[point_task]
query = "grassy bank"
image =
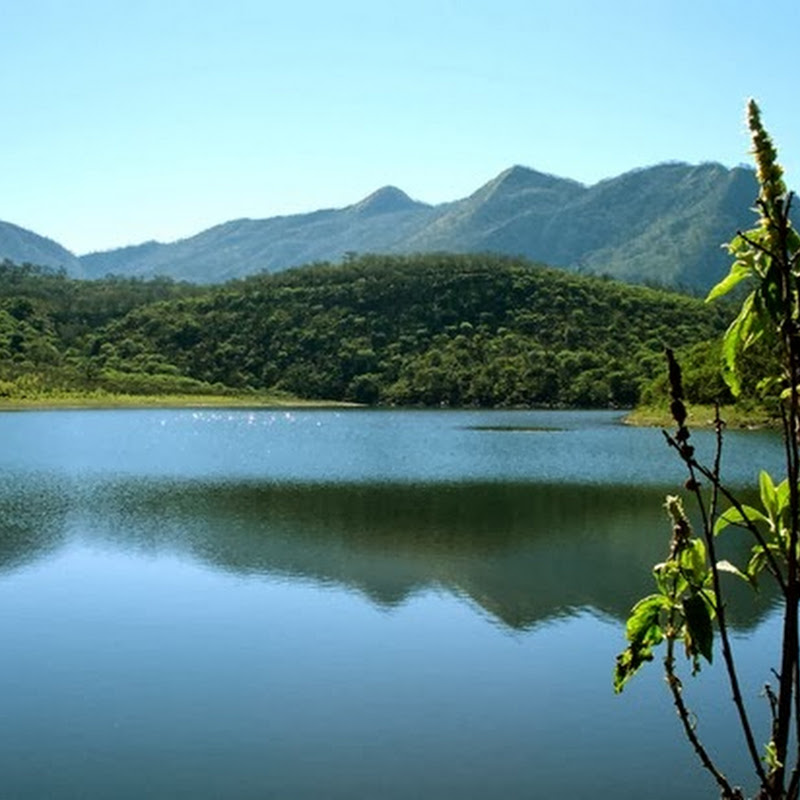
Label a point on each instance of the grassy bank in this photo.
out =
(702, 416)
(113, 400)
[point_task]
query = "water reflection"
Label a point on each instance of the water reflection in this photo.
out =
(523, 553)
(34, 514)
(185, 613)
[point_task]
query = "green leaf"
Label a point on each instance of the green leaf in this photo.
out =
(699, 627)
(735, 340)
(732, 569)
(756, 564)
(771, 756)
(782, 491)
(644, 617)
(769, 385)
(758, 560)
(693, 562)
(710, 598)
(734, 517)
(628, 663)
(769, 495)
(739, 271)
(669, 579)
(643, 631)
(740, 248)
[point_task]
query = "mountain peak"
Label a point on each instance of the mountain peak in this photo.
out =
(520, 184)
(519, 177)
(385, 200)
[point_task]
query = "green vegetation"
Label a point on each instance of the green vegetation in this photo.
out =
(457, 330)
(745, 413)
(102, 399)
(45, 321)
(688, 610)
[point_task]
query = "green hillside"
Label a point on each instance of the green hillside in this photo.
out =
(428, 330)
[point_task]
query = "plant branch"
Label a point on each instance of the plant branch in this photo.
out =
(676, 688)
(756, 245)
(789, 655)
(722, 624)
(731, 498)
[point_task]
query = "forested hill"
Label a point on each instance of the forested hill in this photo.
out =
(661, 225)
(421, 330)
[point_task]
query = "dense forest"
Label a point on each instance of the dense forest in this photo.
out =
(432, 329)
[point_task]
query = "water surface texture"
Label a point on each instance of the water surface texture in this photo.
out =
(340, 604)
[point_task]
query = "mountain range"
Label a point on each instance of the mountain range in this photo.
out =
(662, 225)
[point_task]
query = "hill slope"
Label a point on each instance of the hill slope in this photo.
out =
(380, 222)
(437, 329)
(421, 330)
(23, 246)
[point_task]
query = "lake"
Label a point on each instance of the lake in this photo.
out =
(345, 604)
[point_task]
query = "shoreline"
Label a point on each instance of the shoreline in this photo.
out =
(122, 401)
(702, 416)
(699, 416)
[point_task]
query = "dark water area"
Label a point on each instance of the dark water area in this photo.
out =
(344, 604)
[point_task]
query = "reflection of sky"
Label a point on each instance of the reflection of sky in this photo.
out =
(133, 677)
(355, 445)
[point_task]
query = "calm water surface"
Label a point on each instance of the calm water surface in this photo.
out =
(342, 604)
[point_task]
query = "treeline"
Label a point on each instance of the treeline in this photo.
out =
(442, 329)
(47, 318)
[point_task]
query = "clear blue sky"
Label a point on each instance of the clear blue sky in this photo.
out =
(128, 121)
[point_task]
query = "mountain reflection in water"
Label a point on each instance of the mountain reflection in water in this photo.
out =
(524, 553)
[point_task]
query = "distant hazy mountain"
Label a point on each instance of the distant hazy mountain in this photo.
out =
(22, 246)
(662, 224)
(382, 222)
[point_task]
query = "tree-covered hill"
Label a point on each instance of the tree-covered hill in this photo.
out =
(47, 317)
(430, 330)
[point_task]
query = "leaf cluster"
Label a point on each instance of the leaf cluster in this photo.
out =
(682, 609)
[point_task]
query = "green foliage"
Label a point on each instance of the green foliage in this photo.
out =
(644, 630)
(425, 330)
(754, 261)
(47, 328)
(681, 611)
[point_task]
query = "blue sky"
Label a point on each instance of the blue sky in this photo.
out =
(129, 121)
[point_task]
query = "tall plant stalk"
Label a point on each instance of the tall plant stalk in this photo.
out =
(689, 605)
